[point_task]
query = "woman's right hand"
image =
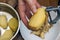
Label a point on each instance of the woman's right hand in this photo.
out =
(24, 8)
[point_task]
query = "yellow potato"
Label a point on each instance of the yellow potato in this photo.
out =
(13, 24)
(39, 23)
(3, 21)
(36, 32)
(7, 35)
(38, 19)
(42, 35)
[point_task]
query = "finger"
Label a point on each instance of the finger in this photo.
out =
(23, 18)
(21, 9)
(31, 5)
(28, 12)
(21, 5)
(38, 5)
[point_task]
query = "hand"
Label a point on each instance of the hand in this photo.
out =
(24, 8)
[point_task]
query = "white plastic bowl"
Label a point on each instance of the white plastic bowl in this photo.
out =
(51, 35)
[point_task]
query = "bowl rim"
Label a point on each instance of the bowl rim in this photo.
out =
(17, 17)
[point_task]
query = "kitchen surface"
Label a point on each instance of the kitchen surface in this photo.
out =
(18, 37)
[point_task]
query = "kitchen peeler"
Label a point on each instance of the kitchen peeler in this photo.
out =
(57, 9)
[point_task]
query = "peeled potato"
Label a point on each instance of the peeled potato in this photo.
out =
(3, 21)
(42, 35)
(13, 24)
(38, 19)
(7, 35)
(36, 32)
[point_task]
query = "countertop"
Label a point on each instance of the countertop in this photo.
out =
(18, 37)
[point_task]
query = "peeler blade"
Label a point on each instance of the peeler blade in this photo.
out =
(49, 9)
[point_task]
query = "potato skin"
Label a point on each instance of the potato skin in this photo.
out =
(13, 24)
(7, 35)
(3, 21)
(38, 19)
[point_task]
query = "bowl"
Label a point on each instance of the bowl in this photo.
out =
(10, 11)
(51, 35)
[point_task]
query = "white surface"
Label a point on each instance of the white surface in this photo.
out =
(51, 35)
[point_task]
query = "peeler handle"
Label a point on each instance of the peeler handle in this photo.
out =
(48, 9)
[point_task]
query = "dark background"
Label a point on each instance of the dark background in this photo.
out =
(18, 37)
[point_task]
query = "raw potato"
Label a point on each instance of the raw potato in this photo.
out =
(37, 20)
(44, 28)
(36, 32)
(13, 24)
(3, 21)
(42, 35)
(7, 35)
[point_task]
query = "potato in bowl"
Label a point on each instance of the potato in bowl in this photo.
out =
(10, 18)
